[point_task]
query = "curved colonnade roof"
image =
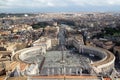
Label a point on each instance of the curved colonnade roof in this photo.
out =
(22, 54)
(108, 59)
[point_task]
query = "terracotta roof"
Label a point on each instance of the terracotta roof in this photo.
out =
(23, 66)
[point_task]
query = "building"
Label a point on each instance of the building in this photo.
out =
(43, 42)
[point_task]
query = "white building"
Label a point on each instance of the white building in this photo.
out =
(43, 42)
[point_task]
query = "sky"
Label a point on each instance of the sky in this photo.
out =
(26, 6)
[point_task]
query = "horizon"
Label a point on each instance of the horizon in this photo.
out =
(49, 6)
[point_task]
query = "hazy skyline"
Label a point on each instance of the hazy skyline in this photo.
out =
(21, 6)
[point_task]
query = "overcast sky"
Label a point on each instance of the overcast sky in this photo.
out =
(59, 5)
